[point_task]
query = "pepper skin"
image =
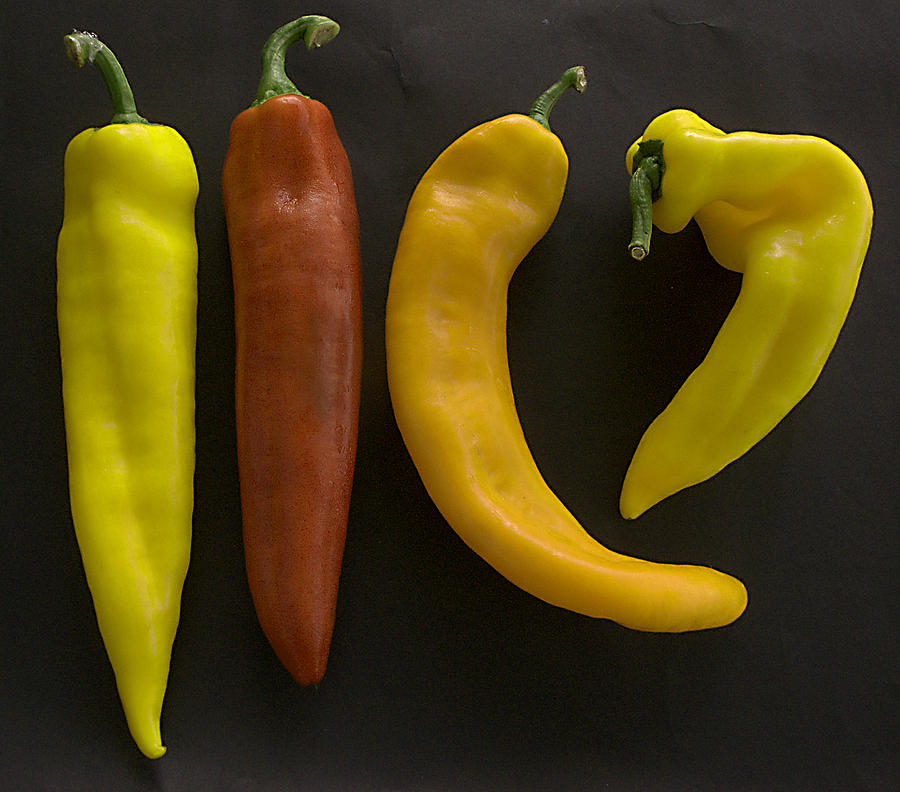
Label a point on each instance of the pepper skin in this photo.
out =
(794, 215)
(127, 299)
(475, 214)
(293, 232)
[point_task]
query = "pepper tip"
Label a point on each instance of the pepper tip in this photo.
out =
(638, 252)
(153, 750)
(580, 82)
(81, 46)
(320, 31)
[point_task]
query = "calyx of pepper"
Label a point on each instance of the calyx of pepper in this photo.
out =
(648, 167)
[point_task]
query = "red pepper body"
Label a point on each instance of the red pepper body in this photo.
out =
(293, 233)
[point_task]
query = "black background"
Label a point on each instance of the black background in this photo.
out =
(443, 676)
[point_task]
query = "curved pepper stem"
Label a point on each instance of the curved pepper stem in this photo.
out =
(572, 78)
(313, 29)
(645, 188)
(83, 47)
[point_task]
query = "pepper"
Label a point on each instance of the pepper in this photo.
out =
(293, 233)
(127, 300)
(793, 214)
(475, 214)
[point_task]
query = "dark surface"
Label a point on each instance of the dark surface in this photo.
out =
(443, 676)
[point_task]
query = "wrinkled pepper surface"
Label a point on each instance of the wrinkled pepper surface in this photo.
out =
(793, 214)
(127, 297)
(475, 214)
(293, 233)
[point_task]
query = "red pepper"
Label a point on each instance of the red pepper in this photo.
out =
(293, 234)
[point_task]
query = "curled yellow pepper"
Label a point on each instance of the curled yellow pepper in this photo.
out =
(475, 214)
(126, 304)
(794, 215)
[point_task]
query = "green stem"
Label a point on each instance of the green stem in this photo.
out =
(314, 30)
(572, 78)
(87, 48)
(648, 168)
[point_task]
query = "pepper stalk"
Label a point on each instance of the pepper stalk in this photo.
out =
(83, 47)
(645, 188)
(314, 30)
(571, 78)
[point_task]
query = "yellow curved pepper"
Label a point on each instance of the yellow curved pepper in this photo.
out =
(127, 297)
(475, 214)
(794, 215)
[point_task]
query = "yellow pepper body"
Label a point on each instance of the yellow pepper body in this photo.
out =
(127, 296)
(475, 214)
(793, 214)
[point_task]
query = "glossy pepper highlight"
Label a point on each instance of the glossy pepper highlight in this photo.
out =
(475, 214)
(793, 214)
(293, 232)
(127, 298)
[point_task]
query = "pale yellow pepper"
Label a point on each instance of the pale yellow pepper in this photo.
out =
(475, 214)
(793, 214)
(127, 300)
